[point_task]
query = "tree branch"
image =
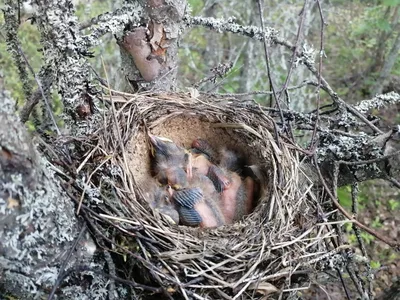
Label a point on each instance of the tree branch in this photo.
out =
(65, 50)
(13, 44)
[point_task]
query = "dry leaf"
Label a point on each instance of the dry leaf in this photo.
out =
(156, 39)
(264, 288)
(194, 93)
(12, 203)
(171, 290)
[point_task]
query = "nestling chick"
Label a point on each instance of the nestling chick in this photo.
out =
(231, 160)
(159, 200)
(237, 195)
(197, 204)
(199, 163)
(169, 160)
(225, 158)
(232, 193)
(203, 156)
(201, 146)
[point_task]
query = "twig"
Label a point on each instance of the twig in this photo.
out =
(369, 161)
(393, 181)
(267, 60)
(299, 39)
(356, 280)
(147, 264)
(391, 243)
(111, 270)
(231, 26)
(88, 182)
(219, 71)
(11, 26)
(313, 142)
(378, 102)
(62, 271)
(343, 283)
(14, 43)
(114, 115)
(354, 210)
(340, 102)
(46, 101)
(290, 88)
(132, 283)
(47, 80)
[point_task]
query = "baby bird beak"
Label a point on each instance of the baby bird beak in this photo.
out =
(169, 161)
(160, 145)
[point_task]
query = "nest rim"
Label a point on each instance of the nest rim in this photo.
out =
(260, 246)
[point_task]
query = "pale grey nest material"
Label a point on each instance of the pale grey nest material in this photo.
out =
(250, 258)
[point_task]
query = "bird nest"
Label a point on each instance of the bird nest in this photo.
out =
(271, 251)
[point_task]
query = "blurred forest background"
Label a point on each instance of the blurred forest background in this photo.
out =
(359, 41)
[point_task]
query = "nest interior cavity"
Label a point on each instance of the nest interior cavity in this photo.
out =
(183, 129)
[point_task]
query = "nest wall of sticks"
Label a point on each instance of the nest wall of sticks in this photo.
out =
(257, 254)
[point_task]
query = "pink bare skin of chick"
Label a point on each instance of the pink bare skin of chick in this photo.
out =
(236, 194)
(232, 161)
(229, 184)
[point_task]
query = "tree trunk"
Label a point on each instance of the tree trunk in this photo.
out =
(37, 220)
(387, 66)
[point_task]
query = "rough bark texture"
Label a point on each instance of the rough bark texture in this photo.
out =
(149, 53)
(356, 149)
(64, 50)
(65, 53)
(37, 219)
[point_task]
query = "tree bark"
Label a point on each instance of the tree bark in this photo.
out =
(387, 66)
(149, 52)
(37, 221)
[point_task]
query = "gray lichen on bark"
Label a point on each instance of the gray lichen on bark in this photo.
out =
(13, 44)
(361, 147)
(36, 217)
(115, 22)
(64, 50)
(229, 25)
(379, 101)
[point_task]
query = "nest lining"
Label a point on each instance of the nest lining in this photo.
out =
(267, 246)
